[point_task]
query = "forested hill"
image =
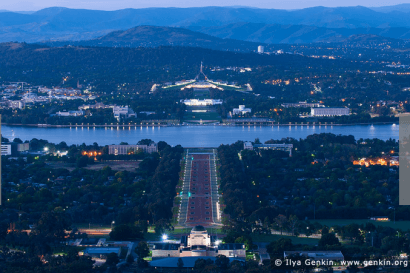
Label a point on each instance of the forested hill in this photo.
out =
(153, 36)
(48, 65)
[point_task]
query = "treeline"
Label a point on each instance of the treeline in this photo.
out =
(320, 180)
(163, 187)
(235, 185)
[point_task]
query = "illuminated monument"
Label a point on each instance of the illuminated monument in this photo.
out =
(198, 244)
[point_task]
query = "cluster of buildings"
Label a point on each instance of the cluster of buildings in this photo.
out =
(317, 109)
(97, 105)
(198, 244)
(384, 161)
(30, 97)
(13, 148)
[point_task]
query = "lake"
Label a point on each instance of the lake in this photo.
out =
(194, 136)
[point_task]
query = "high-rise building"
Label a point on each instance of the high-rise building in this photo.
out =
(261, 49)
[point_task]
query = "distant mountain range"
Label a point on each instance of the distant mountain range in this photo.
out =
(242, 23)
(276, 34)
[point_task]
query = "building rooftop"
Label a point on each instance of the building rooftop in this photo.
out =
(231, 246)
(189, 262)
(166, 246)
(198, 228)
(101, 250)
(331, 255)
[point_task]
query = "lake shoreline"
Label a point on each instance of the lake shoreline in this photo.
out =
(191, 124)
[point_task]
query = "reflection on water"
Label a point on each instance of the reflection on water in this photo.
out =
(195, 136)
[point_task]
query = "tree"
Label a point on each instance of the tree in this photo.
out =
(17, 140)
(125, 232)
(180, 263)
(82, 162)
(245, 239)
(130, 259)
(142, 249)
(293, 223)
(112, 259)
(145, 142)
(3, 230)
(281, 222)
(277, 248)
(142, 263)
(53, 226)
(328, 239)
(222, 262)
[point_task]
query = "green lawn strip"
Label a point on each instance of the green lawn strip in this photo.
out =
(273, 237)
(403, 225)
(92, 226)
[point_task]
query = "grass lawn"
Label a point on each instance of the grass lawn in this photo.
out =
(273, 237)
(404, 225)
(123, 165)
(203, 116)
(92, 226)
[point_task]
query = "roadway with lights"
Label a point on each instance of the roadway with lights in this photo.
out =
(200, 198)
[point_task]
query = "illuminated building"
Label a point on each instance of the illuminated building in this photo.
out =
(198, 244)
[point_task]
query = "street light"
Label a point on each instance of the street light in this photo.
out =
(112, 223)
(164, 237)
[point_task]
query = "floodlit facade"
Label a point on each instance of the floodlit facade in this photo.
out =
(261, 49)
(205, 102)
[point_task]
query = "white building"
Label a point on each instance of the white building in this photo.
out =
(199, 237)
(205, 102)
(16, 104)
(261, 49)
(70, 114)
(123, 112)
(329, 112)
(241, 110)
(131, 149)
(5, 149)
